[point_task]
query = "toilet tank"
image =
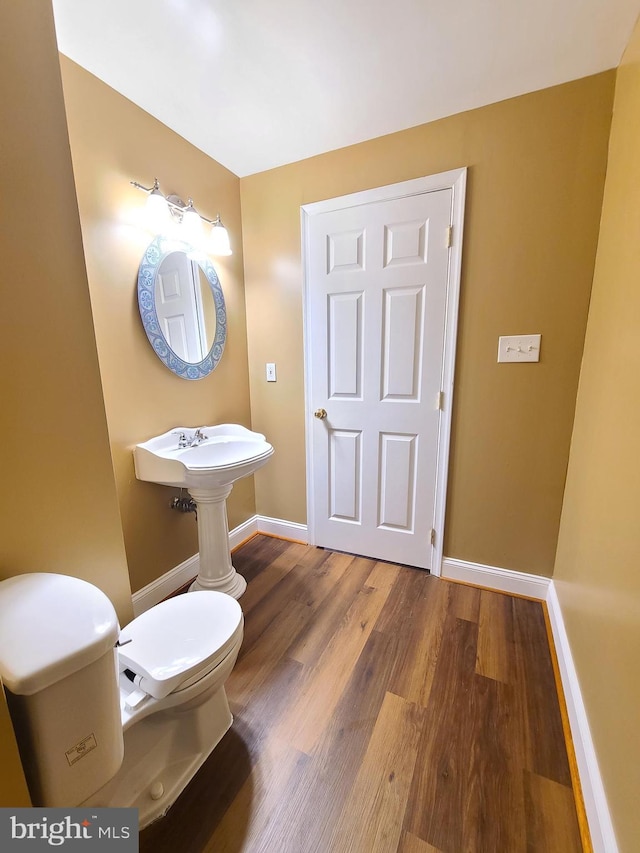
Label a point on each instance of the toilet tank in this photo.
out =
(59, 668)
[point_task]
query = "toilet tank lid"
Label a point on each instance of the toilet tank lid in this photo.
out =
(50, 627)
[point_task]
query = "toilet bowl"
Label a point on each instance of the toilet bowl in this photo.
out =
(105, 717)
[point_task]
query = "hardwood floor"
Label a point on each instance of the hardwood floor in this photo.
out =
(378, 709)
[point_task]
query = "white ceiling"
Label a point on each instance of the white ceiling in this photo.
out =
(259, 83)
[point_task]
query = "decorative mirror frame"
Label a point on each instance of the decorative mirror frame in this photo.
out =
(155, 253)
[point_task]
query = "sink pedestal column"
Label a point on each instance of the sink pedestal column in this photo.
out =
(216, 569)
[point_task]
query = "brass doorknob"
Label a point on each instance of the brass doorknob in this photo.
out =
(320, 413)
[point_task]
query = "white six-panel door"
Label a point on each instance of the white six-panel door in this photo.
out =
(378, 301)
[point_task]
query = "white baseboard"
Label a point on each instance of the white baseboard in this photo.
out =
(279, 527)
(595, 801)
(163, 586)
(501, 580)
(243, 532)
(177, 577)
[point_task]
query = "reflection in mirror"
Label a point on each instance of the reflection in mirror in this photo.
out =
(185, 306)
(182, 307)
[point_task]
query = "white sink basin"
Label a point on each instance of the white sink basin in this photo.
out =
(227, 453)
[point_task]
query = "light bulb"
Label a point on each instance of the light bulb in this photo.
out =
(157, 211)
(191, 225)
(219, 239)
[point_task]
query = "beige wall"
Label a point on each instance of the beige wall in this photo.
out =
(112, 142)
(537, 166)
(597, 572)
(13, 785)
(58, 503)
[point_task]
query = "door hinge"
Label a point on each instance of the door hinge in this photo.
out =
(449, 236)
(432, 536)
(440, 403)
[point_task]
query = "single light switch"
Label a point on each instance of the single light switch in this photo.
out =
(519, 348)
(271, 371)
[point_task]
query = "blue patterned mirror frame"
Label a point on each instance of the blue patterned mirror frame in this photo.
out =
(156, 251)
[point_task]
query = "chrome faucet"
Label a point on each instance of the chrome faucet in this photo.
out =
(186, 440)
(197, 437)
(183, 441)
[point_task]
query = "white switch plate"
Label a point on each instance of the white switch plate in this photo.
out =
(519, 348)
(271, 371)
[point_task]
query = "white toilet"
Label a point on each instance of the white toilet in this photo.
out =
(105, 717)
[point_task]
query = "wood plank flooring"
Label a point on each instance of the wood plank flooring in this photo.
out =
(378, 709)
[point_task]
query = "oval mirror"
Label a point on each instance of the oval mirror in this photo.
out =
(182, 307)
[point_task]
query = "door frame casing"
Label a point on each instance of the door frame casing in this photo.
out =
(454, 180)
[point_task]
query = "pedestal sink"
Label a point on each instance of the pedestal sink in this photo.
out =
(212, 460)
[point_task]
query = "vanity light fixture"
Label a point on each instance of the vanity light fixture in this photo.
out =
(162, 208)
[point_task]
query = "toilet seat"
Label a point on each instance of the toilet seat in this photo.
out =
(177, 642)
